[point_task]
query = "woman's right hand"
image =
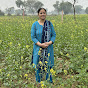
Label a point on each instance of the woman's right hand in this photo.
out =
(43, 45)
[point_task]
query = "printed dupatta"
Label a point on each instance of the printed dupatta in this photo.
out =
(43, 52)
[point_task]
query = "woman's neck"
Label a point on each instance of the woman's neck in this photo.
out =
(41, 21)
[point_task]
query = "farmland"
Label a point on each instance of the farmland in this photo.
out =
(70, 52)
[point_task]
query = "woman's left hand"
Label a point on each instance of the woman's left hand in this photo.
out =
(48, 43)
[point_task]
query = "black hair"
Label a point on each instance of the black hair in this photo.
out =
(40, 9)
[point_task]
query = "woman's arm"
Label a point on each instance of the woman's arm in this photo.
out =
(53, 34)
(33, 33)
(48, 43)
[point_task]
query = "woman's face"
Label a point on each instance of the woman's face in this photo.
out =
(42, 14)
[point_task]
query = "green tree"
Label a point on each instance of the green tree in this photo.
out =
(74, 8)
(9, 11)
(18, 12)
(56, 6)
(86, 10)
(30, 5)
(1, 13)
(66, 7)
(21, 4)
(78, 8)
(38, 5)
(33, 5)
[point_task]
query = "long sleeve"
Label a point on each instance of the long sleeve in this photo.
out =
(53, 34)
(33, 33)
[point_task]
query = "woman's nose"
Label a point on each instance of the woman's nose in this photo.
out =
(43, 14)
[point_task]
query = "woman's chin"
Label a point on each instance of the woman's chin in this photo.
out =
(43, 18)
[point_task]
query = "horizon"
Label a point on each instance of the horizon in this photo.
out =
(49, 5)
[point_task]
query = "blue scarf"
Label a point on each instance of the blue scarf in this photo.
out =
(45, 38)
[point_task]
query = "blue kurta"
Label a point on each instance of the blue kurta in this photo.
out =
(36, 35)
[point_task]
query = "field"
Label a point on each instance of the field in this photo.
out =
(70, 52)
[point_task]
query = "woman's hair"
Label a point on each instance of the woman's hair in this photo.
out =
(40, 9)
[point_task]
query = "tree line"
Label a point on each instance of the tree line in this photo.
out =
(31, 7)
(67, 7)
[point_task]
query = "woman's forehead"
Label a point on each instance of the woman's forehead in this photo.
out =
(42, 10)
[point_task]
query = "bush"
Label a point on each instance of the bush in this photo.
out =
(9, 14)
(86, 10)
(1, 13)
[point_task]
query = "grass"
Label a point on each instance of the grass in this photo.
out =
(70, 52)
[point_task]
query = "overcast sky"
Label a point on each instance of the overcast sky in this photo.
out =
(47, 3)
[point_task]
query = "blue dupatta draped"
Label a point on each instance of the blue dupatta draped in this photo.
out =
(44, 51)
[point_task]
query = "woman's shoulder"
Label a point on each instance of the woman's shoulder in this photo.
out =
(49, 21)
(35, 23)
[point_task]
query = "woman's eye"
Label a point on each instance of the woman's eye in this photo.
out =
(40, 13)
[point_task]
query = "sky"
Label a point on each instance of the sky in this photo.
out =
(47, 3)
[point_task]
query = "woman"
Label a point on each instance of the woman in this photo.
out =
(43, 36)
